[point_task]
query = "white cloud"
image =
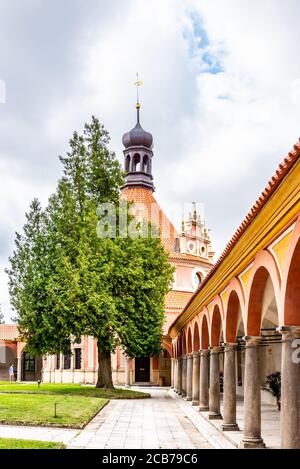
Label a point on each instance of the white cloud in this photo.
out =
(220, 95)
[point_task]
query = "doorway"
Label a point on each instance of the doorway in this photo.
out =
(142, 369)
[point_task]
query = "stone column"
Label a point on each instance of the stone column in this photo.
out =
(127, 372)
(179, 376)
(184, 373)
(176, 375)
(229, 389)
(172, 372)
(252, 405)
(290, 387)
(189, 377)
(214, 385)
(19, 368)
(204, 394)
(196, 378)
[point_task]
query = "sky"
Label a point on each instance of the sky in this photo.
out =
(221, 97)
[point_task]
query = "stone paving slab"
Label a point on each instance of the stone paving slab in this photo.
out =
(215, 437)
(270, 424)
(158, 422)
(63, 435)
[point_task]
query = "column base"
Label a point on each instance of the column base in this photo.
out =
(179, 393)
(188, 398)
(229, 427)
(248, 443)
(183, 396)
(127, 386)
(214, 416)
(203, 408)
(195, 402)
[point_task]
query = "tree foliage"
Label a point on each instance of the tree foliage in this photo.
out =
(65, 281)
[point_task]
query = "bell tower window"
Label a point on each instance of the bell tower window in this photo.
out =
(146, 164)
(127, 164)
(137, 162)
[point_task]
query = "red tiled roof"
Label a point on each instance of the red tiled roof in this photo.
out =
(282, 171)
(8, 332)
(140, 195)
(177, 299)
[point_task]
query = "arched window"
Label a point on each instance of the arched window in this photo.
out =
(197, 278)
(145, 168)
(137, 162)
(127, 164)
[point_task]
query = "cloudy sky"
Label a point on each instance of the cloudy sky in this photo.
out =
(221, 96)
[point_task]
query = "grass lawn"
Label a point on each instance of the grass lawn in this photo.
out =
(38, 409)
(12, 443)
(71, 389)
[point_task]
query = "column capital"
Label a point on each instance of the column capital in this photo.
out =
(229, 346)
(252, 340)
(289, 332)
(196, 354)
(184, 357)
(215, 349)
(204, 353)
(189, 356)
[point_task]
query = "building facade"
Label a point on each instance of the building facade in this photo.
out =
(13, 352)
(243, 324)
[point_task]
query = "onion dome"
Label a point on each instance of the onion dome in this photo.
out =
(137, 137)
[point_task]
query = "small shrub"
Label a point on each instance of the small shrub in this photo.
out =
(273, 386)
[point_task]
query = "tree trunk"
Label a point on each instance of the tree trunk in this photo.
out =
(104, 369)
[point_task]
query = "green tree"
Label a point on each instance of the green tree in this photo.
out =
(66, 281)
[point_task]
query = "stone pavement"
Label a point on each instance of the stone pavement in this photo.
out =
(159, 422)
(63, 435)
(270, 424)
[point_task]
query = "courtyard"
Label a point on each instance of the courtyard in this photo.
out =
(137, 421)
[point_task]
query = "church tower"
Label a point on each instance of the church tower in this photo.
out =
(189, 250)
(138, 156)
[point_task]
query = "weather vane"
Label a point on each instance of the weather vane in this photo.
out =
(137, 83)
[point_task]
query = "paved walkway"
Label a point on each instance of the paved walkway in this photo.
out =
(164, 421)
(159, 422)
(64, 435)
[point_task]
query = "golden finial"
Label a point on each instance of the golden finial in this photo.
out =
(137, 83)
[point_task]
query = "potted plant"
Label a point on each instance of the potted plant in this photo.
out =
(273, 386)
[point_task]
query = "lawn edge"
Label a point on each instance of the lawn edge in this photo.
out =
(17, 423)
(49, 393)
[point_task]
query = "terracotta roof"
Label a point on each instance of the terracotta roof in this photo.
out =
(274, 182)
(141, 195)
(177, 299)
(8, 332)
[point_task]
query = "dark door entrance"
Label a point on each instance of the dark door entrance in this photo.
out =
(142, 369)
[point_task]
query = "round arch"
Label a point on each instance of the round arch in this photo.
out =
(204, 333)
(292, 290)
(290, 285)
(196, 338)
(183, 344)
(232, 317)
(189, 341)
(216, 326)
(264, 268)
